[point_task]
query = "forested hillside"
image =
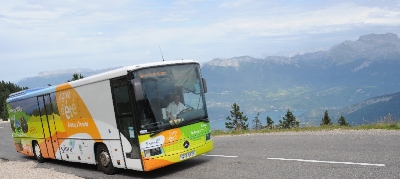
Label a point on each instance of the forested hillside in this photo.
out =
(373, 110)
(6, 88)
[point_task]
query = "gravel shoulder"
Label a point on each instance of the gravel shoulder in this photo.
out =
(29, 169)
(16, 169)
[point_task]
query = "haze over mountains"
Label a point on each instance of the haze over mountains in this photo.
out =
(58, 77)
(347, 74)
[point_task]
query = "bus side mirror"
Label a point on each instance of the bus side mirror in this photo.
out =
(204, 85)
(138, 89)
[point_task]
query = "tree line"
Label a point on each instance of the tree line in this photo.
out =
(6, 88)
(238, 121)
(326, 120)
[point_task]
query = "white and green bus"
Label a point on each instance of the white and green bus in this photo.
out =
(123, 118)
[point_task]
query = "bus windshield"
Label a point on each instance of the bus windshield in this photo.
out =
(173, 96)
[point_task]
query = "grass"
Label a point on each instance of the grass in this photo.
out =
(391, 125)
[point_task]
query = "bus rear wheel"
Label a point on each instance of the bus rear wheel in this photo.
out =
(104, 162)
(37, 153)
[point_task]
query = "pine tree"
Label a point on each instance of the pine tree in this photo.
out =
(270, 122)
(257, 122)
(289, 121)
(238, 119)
(3, 107)
(76, 76)
(5, 90)
(326, 120)
(342, 121)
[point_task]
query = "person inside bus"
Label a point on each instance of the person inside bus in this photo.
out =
(167, 99)
(175, 107)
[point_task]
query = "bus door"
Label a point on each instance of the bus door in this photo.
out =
(48, 123)
(124, 116)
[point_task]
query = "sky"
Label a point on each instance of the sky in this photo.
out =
(37, 36)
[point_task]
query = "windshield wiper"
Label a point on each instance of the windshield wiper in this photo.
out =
(204, 120)
(144, 126)
(194, 92)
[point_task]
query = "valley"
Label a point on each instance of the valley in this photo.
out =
(347, 74)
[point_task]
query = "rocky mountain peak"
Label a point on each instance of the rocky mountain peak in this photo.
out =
(281, 60)
(379, 38)
(371, 47)
(230, 62)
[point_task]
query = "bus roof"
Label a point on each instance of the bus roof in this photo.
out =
(23, 92)
(92, 79)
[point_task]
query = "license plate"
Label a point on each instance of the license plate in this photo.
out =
(188, 155)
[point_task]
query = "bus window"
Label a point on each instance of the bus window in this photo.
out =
(159, 85)
(122, 100)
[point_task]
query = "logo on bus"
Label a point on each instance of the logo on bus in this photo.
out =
(173, 135)
(69, 147)
(153, 142)
(68, 110)
(78, 124)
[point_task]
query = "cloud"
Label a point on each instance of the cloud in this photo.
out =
(336, 18)
(196, 29)
(235, 4)
(197, 26)
(174, 19)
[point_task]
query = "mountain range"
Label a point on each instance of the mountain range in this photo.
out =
(343, 76)
(57, 77)
(346, 74)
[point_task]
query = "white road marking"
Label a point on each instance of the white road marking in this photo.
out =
(219, 156)
(319, 161)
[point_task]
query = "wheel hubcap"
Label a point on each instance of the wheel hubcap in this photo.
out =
(37, 150)
(104, 158)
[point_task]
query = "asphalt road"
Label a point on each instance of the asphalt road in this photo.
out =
(328, 154)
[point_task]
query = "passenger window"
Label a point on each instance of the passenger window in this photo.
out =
(122, 101)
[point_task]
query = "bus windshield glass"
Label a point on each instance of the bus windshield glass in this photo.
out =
(173, 97)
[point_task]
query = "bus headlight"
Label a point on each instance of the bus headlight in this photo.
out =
(208, 136)
(152, 152)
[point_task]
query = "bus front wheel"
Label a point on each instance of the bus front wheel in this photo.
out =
(37, 153)
(103, 158)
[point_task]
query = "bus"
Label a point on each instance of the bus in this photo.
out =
(117, 119)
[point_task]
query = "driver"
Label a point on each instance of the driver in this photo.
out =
(175, 107)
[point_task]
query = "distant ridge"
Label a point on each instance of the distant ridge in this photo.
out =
(372, 110)
(58, 77)
(67, 71)
(368, 47)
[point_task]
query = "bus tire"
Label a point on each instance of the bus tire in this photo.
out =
(37, 153)
(103, 158)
